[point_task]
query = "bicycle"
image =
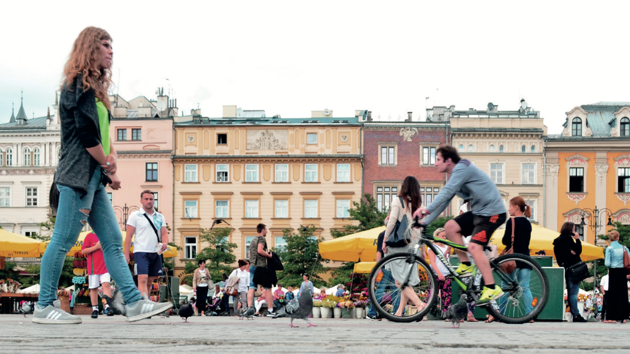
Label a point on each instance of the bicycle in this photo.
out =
(517, 305)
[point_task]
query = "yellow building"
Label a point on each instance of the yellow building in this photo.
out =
(248, 169)
(588, 167)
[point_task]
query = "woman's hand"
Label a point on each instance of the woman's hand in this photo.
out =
(441, 276)
(110, 164)
(115, 182)
(384, 248)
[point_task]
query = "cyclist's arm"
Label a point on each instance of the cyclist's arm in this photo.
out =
(455, 182)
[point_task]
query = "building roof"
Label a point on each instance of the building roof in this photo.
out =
(34, 123)
(601, 117)
(12, 119)
(269, 121)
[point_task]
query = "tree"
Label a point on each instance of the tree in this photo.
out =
(219, 253)
(624, 239)
(301, 256)
(438, 223)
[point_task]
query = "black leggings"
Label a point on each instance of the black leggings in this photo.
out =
(202, 297)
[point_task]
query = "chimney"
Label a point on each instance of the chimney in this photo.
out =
(369, 118)
(409, 116)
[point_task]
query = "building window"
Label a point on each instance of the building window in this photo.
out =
(532, 205)
(529, 173)
(190, 208)
(491, 148)
(428, 194)
(311, 138)
(310, 173)
(190, 173)
(155, 200)
(282, 208)
(470, 148)
(251, 173)
(221, 139)
(110, 197)
(152, 171)
(384, 197)
(533, 148)
(121, 134)
(388, 155)
(500, 148)
(248, 241)
(577, 127)
(136, 134)
(223, 173)
(343, 208)
(280, 243)
(343, 172)
(27, 157)
(36, 157)
(190, 247)
(1, 158)
(251, 208)
(9, 157)
(461, 148)
(576, 179)
(623, 180)
(282, 173)
(5, 197)
(31, 196)
(496, 173)
(310, 208)
(523, 149)
(221, 208)
(624, 127)
(428, 156)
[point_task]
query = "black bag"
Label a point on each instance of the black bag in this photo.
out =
(399, 236)
(578, 272)
(274, 263)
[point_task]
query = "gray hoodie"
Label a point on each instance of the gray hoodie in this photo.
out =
(468, 182)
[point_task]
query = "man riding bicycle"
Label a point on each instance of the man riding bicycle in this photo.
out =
(487, 213)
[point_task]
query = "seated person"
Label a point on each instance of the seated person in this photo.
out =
(278, 297)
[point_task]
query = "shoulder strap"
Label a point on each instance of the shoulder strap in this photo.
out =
(513, 228)
(158, 235)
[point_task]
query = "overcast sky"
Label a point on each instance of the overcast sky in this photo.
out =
(292, 57)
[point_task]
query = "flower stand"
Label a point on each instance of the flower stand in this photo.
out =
(326, 312)
(346, 313)
(317, 312)
(359, 312)
(337, 312)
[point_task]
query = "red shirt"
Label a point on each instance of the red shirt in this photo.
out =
(95, 261)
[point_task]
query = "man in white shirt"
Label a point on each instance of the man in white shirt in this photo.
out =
(146, 224)
(603, 285)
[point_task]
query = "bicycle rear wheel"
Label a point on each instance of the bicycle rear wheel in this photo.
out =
(526, 289)
(385, 295)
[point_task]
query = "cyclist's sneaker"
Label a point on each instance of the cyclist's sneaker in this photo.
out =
(95, 314)
(488, 295)
(54, 315)
(143, 309)
(464, 270)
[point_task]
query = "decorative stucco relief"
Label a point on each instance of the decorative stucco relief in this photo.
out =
(267, 140)
(408, 133)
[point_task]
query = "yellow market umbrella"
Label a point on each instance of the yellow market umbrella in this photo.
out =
(170, 251)
(542, 239)
(14, 245)
(364, 267)
(351, 248)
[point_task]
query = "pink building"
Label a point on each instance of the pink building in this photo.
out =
(142, 133)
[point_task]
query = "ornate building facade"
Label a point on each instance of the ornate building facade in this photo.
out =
(588, 168)
(247, 169)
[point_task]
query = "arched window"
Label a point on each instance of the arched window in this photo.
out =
(577, 127)
(461, 147)
(36, 157)
(500, 148)
(9, 157)
(1, 158)
(470, 148)
(27, 157)
(624, 127)
(491, 148)
(523, 149)
(533, 148)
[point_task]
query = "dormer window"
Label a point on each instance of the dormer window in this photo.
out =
(576, 126)
(624, 127)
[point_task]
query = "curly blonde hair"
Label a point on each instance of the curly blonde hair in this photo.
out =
(84, 59)
(438, 231)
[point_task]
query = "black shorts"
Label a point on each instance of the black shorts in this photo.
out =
(480, 227)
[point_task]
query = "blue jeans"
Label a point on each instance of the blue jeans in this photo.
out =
(572, 292)
(380, 290)
(70, 221)
(523, 276)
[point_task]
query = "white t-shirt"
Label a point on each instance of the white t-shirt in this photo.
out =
(604, 282)
(438, 262)
(243, 279)
(202, 274)
(145, 239)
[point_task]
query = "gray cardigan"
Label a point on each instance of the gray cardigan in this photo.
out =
(79, 131)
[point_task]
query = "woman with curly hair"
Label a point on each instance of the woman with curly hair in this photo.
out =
(87, 164)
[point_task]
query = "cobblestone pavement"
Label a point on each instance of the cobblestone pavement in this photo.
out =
(266, 335)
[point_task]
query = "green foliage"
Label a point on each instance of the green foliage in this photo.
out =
(624, 239)
(301, 256)
(218, 254)
(437, 223)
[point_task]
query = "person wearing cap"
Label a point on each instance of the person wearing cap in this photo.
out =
(306, 283)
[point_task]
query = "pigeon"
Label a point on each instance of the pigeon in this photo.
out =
(26, 308)
(186, 311)
(116, 302)
(298, 308)
(247, 313)
(457, 312)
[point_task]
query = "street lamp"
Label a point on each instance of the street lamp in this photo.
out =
(124, 211)
(595, 225)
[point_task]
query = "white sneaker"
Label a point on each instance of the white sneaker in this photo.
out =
(53, 314)
(144, 309)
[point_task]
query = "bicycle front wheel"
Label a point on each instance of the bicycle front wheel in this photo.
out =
(525, 290)
(385, 291)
